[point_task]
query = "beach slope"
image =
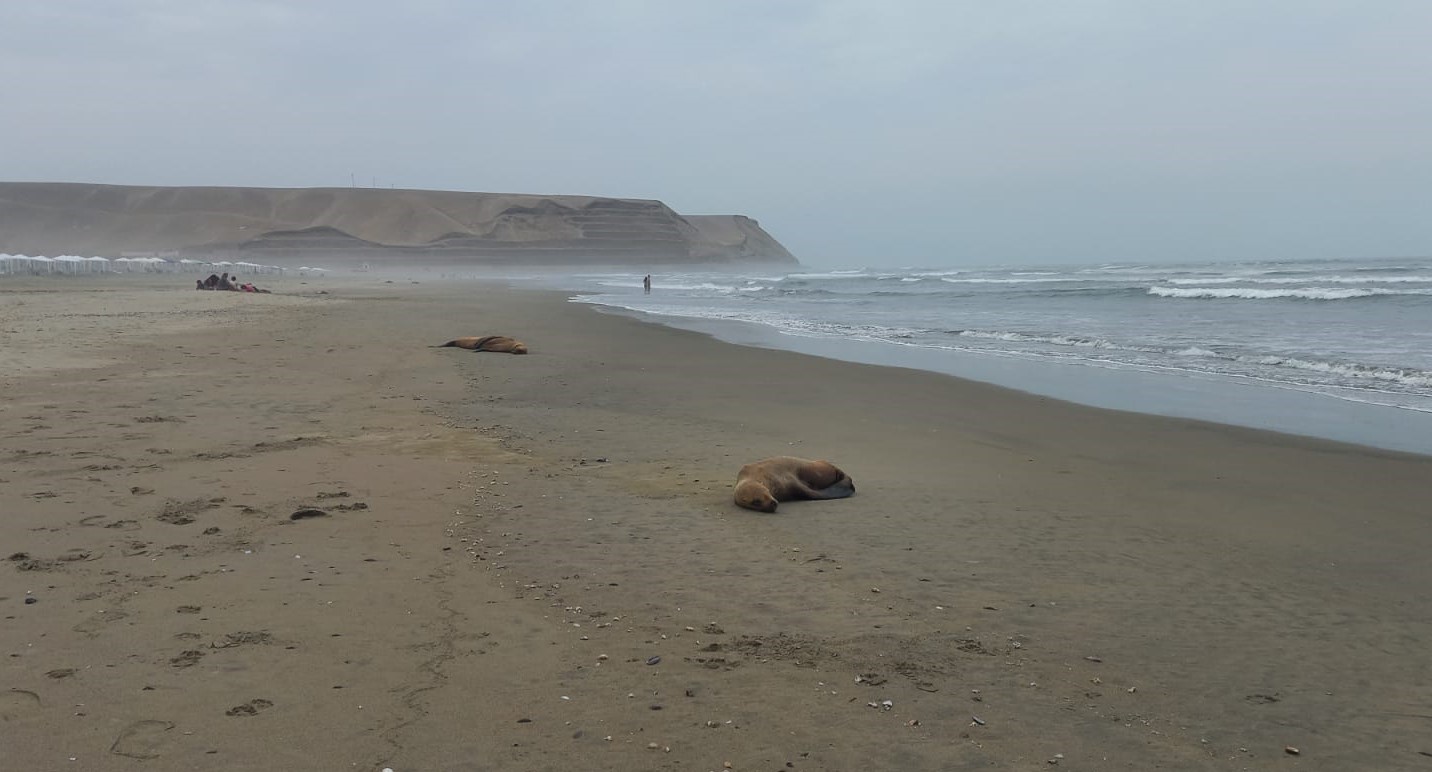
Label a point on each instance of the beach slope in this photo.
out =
(281, 531)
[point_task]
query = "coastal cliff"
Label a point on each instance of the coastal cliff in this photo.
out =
(369, 225)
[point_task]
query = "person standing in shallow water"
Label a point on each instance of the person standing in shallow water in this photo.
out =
(646, 284)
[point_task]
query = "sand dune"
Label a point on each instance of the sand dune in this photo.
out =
(365, 224)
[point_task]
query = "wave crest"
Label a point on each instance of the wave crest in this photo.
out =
(1303, 293)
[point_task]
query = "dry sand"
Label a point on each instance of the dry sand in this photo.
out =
(510, 542)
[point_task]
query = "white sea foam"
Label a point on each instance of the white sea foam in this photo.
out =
(855, 274)
(1398, 375)
(1333, 279)
(986, 280)
(704, 286)
(1056, 340)
(1303, 293)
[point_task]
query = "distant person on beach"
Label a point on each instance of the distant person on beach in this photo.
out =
(199, 284)
(212, 282)
(646, 284)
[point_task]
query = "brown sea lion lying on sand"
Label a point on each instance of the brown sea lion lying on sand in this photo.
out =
(761, 485)
(499, 343)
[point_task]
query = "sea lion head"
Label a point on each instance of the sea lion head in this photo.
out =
(519, 348)
(753, 495)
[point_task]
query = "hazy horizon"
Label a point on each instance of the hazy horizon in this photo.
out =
(908, 133)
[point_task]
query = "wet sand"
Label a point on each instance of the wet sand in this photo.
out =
(508, 544)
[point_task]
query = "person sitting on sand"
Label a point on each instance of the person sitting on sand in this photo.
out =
(199, 284)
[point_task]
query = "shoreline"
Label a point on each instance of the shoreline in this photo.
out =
(1118, 589)
(1253, 405)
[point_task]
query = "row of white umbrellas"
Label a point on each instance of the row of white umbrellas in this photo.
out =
(74, 264)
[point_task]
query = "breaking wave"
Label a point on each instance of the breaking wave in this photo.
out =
(1304, 280)
(1304, 293)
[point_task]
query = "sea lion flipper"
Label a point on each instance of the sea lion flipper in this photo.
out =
(841, 490)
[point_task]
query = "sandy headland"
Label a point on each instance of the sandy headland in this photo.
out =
(377, 227)
(282, 532)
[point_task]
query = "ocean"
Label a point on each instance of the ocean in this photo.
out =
(1335, 349)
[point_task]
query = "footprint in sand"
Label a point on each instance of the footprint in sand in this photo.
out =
(18, 703)
(244, 638)
(23, 562)
(183, 512)
(142, 739)
(250, 708)
(100, 620)
(187, 658)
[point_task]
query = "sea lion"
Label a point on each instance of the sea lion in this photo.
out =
(760, 486)
(499, 343)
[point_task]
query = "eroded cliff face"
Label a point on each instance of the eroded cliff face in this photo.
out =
(367, 225)
(734, 237)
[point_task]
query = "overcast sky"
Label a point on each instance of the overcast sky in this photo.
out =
(883, 132)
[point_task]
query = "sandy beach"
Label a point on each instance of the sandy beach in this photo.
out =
(259, 532)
